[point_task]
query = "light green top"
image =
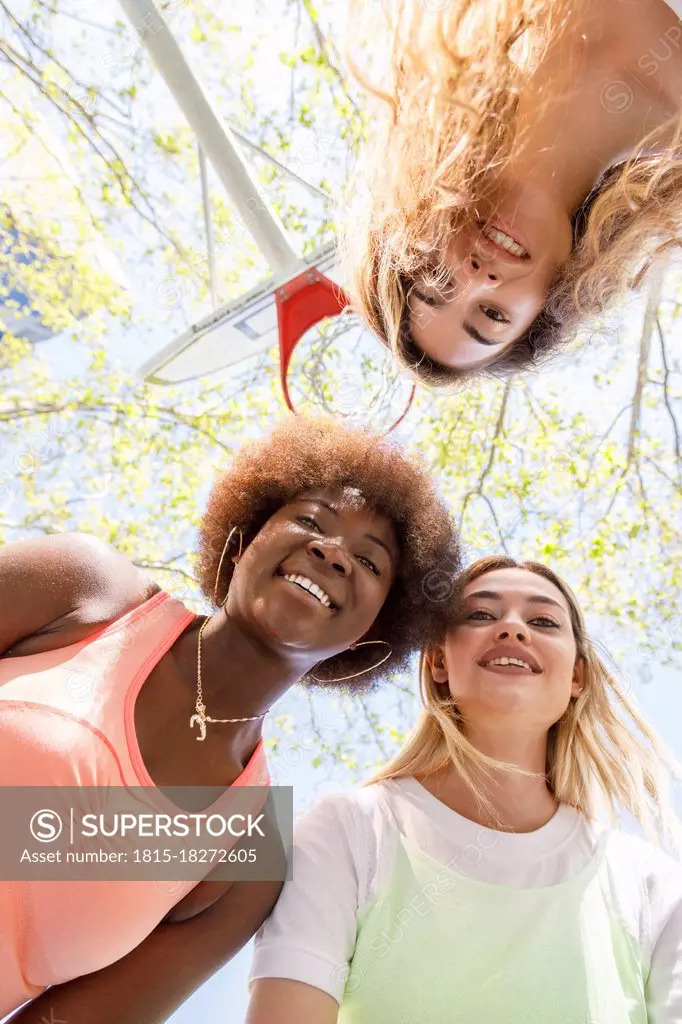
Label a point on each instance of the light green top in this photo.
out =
(437, 947)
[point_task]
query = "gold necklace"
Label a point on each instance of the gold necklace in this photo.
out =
(201, 717)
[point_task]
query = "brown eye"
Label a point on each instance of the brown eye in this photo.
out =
(545, 621)
(494, 314)
(309, 519)
(429, 300)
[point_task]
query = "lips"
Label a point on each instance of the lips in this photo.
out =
(323, 585)
(490, 229)
(510, 651)
(511, 230)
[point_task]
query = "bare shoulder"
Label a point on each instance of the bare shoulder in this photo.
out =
(113, 582)
(102, 565)
(60, 587)
(99, 571)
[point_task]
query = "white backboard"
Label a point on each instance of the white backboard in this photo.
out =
(236, 331)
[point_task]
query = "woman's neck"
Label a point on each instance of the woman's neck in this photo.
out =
(241, 676)
(600, 89)
(519, 803)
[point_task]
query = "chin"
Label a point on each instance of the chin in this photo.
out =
(281, 628)
(512, 700)
(511, 705)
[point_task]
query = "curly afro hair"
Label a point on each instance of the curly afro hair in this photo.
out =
(303, 453)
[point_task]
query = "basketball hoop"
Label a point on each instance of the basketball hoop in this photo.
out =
(302, 303)
(304, 296)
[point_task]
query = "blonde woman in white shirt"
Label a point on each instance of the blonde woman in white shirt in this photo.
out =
(477, 878)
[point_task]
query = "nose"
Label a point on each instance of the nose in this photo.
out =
(490, 269)
(513, 630)
(483, 269)
(332, 553)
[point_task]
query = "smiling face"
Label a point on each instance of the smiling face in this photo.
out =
(511, 652)
(317, 574)
(500, 271)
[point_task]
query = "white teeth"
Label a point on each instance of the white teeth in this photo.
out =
(502, 239)
(311, 587)
(510, 661)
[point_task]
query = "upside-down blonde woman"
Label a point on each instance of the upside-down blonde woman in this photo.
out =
(524, 171)
(477, 877)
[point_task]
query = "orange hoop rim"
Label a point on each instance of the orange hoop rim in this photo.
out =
(301, 303)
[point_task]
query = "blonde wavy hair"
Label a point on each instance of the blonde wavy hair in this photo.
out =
(445, 123)
(601, 753)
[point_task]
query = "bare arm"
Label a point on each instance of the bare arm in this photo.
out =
(152, 981)
(302, 953)
(42, 580)
(280, 1001)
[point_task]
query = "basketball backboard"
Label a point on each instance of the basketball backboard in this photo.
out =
(236, 331)
(300, 295)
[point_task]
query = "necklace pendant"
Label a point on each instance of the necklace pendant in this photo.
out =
(202, 727)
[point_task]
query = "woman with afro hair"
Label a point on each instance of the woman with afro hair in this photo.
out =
(525, 173)
(325, 551)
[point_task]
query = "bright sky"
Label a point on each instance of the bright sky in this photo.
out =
(224, 998)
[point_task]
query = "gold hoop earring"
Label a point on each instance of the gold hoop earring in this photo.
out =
(220, 565)
(364, 643)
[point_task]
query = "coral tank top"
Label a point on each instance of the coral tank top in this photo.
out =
(67, 719)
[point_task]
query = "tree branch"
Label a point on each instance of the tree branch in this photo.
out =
(373, 729)
(161, 413)
(666, 395)
(144, 563)
(650, 319)
(114, 163)
(325, 50)
(478, 490)
(75, 17)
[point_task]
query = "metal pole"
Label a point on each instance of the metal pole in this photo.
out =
(212, 134)
(208, 225)
(314, 190)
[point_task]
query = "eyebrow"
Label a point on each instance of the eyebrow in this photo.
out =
(477, 336)
(492, 595)
(335, 511)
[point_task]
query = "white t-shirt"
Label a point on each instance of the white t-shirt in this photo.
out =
(675, 5)
(342, 854)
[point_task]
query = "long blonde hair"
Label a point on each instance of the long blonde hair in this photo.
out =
(445, 123)
(596, 756)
